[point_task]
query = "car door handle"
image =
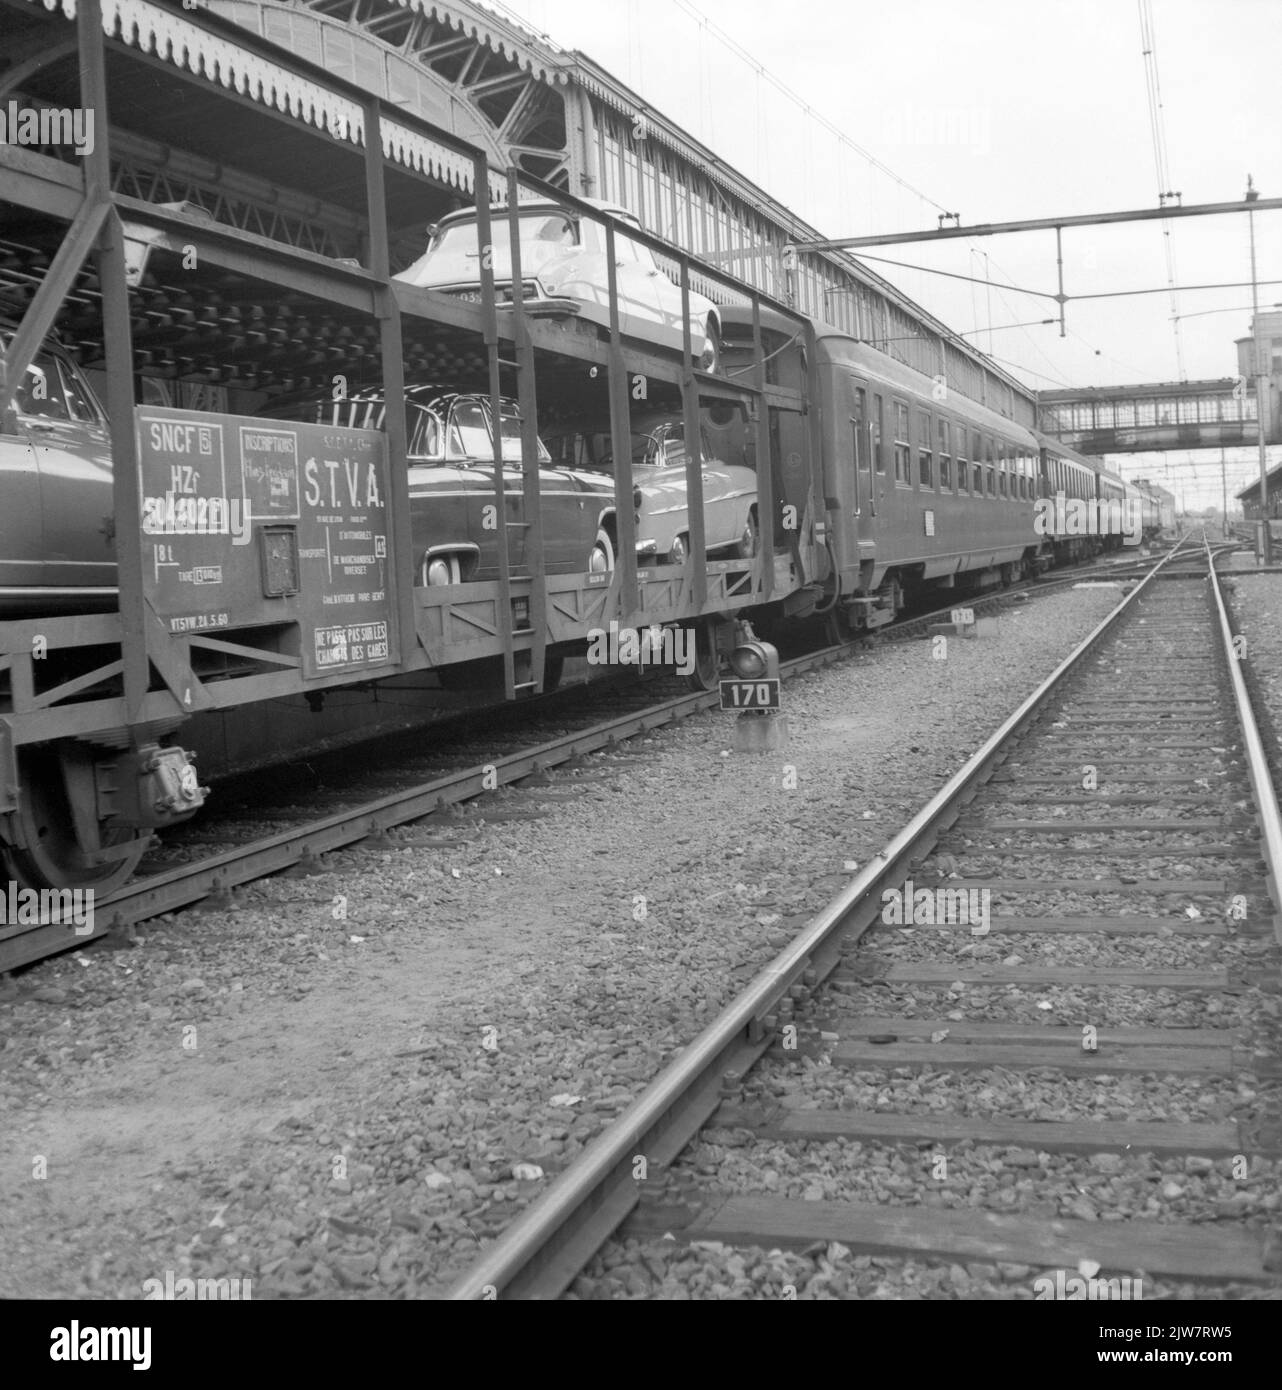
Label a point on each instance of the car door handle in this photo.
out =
(44, 426)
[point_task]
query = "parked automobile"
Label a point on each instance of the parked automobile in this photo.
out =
(56, 528)
(731, 523)
(564, 270)
(451, 482)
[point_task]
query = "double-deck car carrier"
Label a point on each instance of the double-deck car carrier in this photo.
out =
(228, 234)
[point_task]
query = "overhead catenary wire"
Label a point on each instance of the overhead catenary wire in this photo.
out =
(1153, 91)
(763, 71)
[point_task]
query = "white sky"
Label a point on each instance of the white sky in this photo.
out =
(997, 110)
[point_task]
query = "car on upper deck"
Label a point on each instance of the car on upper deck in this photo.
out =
(565, 270)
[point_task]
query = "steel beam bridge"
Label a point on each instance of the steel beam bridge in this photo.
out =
(1153, 416)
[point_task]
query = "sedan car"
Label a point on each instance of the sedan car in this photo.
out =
(564, 270)
(451, 483)
(56, 508)
(731, 524)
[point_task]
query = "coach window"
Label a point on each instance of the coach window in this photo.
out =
(878, 420)
(945, 454)
(925, 460)
(961, 458)
(903, 449)
(990, 488)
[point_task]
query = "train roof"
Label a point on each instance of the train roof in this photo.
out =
(772, 321)
(878, 366)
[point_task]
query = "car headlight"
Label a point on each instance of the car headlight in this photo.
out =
(439, 571)
(637, 499)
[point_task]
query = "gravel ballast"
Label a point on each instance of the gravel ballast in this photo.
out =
(344, 1087)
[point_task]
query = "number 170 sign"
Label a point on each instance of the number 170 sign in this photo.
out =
(750, 695)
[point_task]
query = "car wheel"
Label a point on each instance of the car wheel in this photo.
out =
(749, 539)
(710, 361)
(601, 560)
(707, 660)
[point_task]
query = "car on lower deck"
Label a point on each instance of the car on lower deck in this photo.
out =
(731, 522)
(450, 454)
(57, 551)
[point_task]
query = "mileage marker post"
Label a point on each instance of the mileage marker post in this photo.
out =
(754, 693)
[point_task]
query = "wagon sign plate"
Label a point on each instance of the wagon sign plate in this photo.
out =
(745, 695)
(247, 522)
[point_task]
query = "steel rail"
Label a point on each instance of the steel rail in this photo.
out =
(1267, 814)
(539, 1254)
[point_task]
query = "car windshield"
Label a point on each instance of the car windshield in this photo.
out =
(53, 390)
(470, 435)
(543, 235)
(595, 450)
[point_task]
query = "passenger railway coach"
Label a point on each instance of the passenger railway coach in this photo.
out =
(914, 486)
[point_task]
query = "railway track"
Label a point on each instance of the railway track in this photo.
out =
(1074, 1077)
(388, 800)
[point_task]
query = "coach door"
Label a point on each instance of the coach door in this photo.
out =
(865, 450)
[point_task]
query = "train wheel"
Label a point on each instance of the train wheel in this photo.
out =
(52, 857)
(707, 663)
